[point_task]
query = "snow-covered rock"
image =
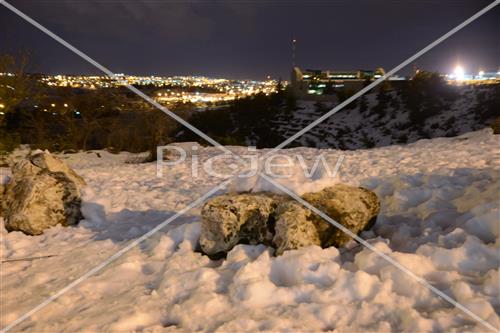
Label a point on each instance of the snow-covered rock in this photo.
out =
(272, 219)
(50, 163)
(43, 192)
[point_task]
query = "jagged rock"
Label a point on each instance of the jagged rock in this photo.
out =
(355, 208)
(46, 161)
(284, 223)
(24, 168)
(43, 192)
(231, 219)
(294, 228)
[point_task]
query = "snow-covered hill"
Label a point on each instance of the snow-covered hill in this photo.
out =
(439, 218)
(371, 123)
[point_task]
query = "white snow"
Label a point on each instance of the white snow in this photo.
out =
(439, 218)
(354, 128)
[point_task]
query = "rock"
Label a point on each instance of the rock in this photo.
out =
(232, 219)
(356, 208)
(42, 193)
(24, 168)
(284, 223)
(294, 227)
(47, 161)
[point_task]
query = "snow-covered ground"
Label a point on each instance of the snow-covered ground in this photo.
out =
(365, 128)
(439, 218)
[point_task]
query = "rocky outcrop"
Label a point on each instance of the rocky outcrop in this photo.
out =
(284, 223)
(42, 193)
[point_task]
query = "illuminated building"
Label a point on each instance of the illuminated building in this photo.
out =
(324, 84)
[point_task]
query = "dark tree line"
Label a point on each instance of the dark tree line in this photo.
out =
(61, 119)
(247, 121)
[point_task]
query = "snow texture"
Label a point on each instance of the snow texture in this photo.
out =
(356, 128)
(439, 218)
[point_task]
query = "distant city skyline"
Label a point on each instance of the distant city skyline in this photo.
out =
(250, 40)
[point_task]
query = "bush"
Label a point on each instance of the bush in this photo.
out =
(425, 96)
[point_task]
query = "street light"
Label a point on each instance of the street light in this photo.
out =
(459, 73)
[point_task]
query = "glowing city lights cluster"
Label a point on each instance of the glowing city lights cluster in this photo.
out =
(220, 89)
(460, 76)
(176, 89)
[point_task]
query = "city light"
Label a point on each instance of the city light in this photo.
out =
(94, 82)
(459, 73)
(2, 106)
(482, 77)
(172, 89)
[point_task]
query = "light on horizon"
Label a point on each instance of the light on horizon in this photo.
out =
(459, 73)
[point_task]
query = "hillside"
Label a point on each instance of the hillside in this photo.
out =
(380, 120)
(419, 109)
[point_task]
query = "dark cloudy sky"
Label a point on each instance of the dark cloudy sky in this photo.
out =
(250, 39)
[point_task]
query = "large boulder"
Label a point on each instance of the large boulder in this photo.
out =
(232, 219)
(284, 223)
(42, 193)
(355, 208)
(53, 165)
(294, 227)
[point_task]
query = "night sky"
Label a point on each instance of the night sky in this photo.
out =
(250, 39)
